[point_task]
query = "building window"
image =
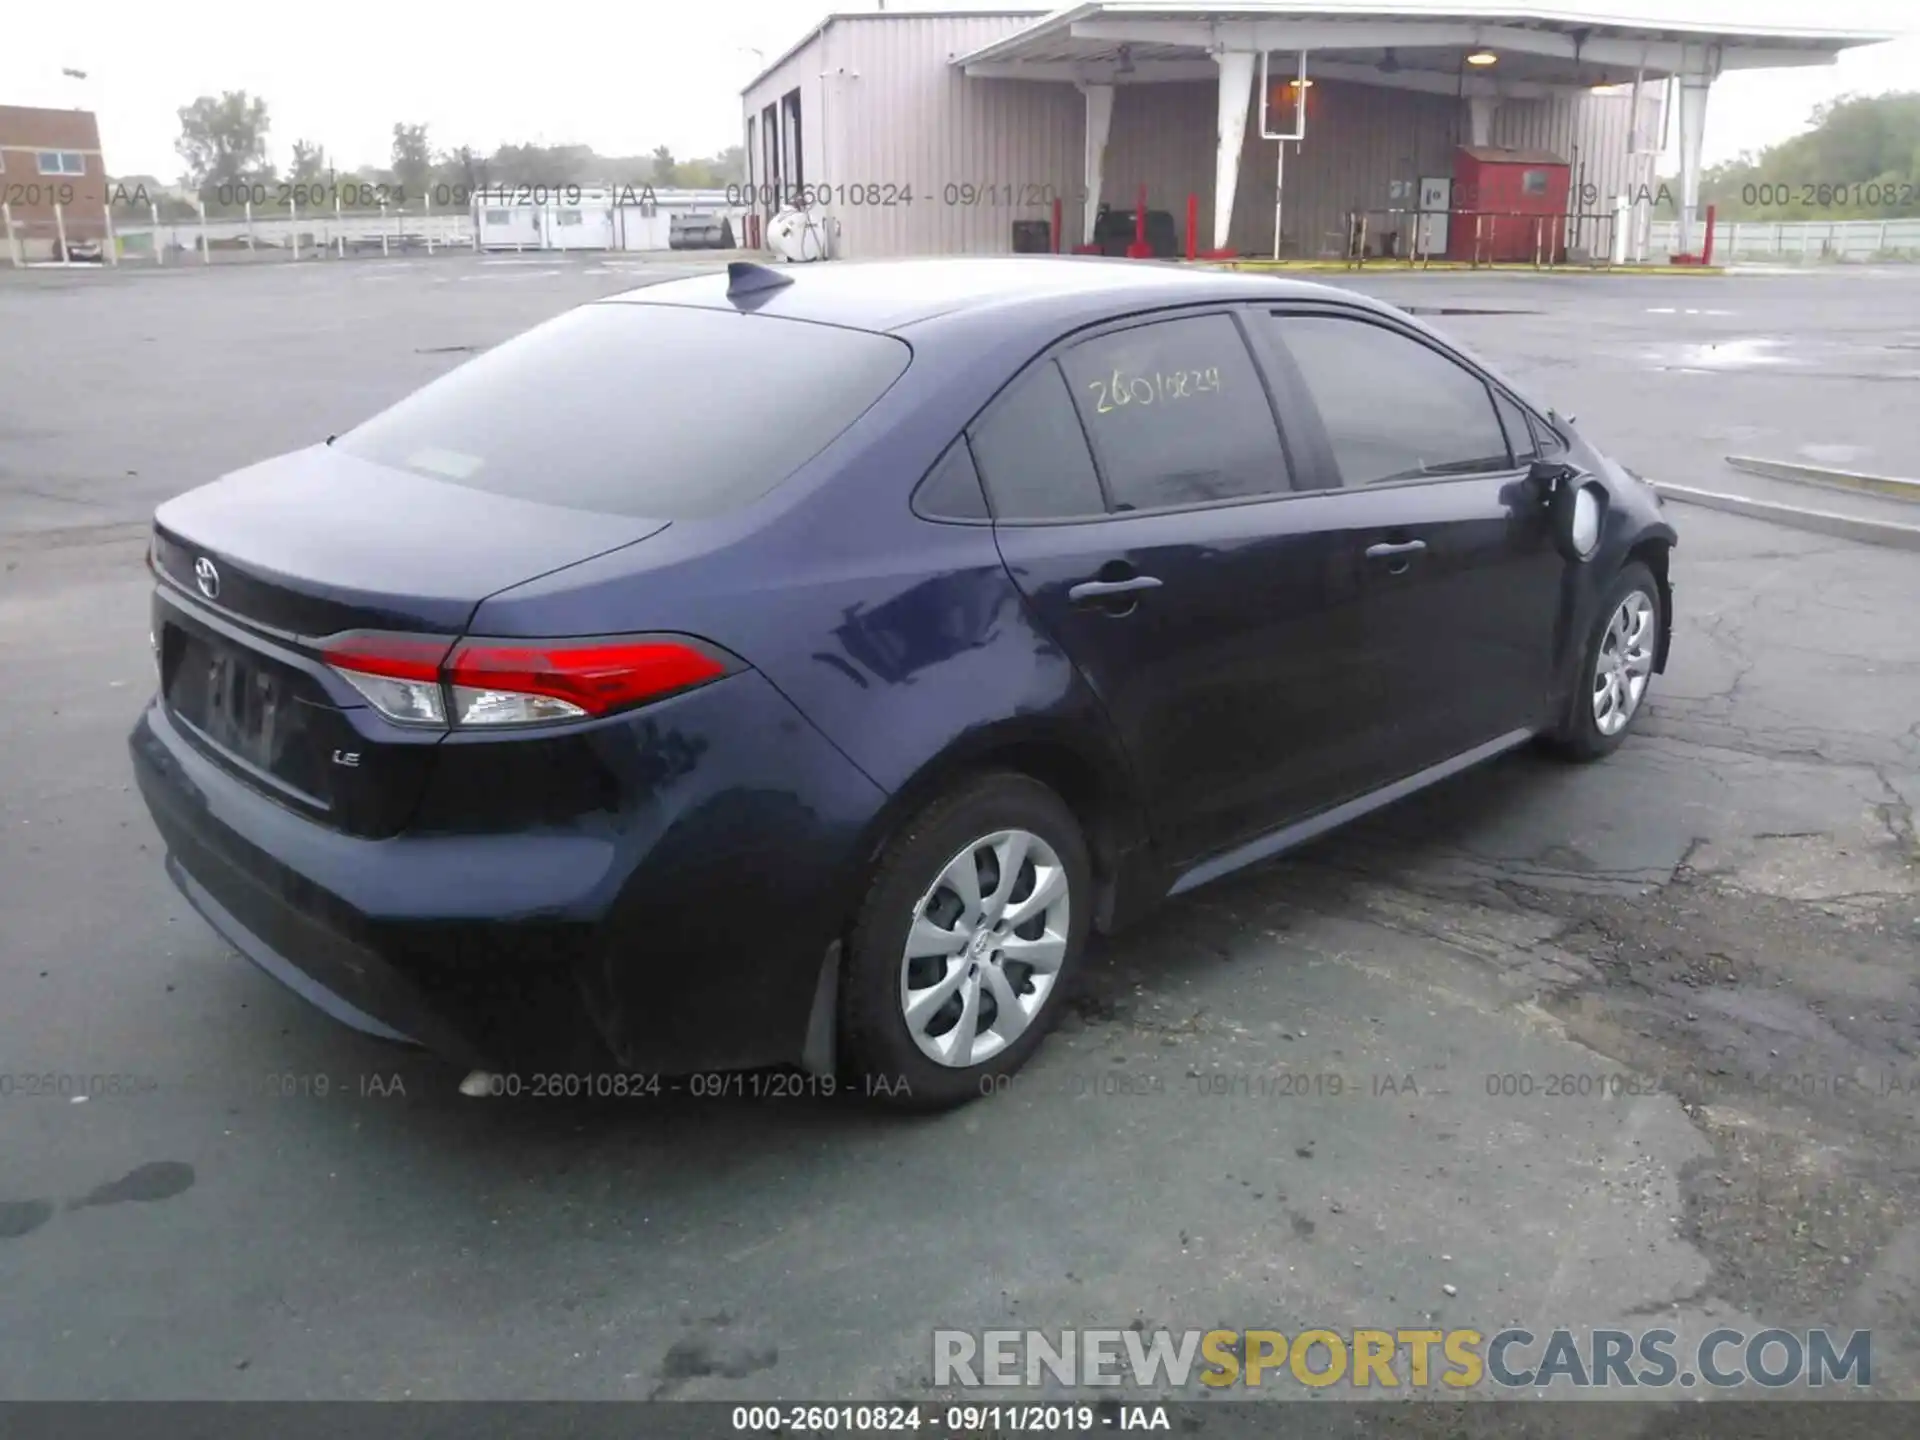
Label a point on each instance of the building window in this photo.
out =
(498, 217)
(772, 173)
(566, 217)
(61, 162)
(796, 166)
(1533, 182)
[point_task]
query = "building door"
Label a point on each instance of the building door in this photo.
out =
(1430, 236)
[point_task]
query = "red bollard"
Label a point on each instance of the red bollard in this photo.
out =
(1706, 247)
(1139, 249)
(1056, 224)
(1193, 226)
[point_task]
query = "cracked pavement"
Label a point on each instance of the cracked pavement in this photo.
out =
(1626, 1044)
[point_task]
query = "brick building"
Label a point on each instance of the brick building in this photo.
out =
(48, 159)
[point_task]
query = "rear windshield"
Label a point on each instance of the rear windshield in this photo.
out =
(636, 409)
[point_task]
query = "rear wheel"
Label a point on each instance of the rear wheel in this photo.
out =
(977, 913)
(1617, 668)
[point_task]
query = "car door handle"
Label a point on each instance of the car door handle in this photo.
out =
(1389, 552)
(1088, 591)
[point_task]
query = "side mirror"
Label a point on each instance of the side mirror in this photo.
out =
(1576, 507)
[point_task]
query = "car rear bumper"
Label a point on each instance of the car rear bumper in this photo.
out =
(679, 928)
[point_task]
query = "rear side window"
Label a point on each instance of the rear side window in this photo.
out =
(951, 490)
(1394, 409)
(1032, 455)
(1177, 414)
(634, 409)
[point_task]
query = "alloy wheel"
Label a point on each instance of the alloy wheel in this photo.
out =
(985, 948)
(1624, 665)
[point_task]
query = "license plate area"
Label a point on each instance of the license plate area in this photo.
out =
(241, 705)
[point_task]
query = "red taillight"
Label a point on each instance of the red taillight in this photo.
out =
(594, 678)
(399, 657)
(515, 682)
(399, 675)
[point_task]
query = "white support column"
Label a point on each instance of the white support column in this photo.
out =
(1480, 112)
(1236, 93)
(1099, 124)
(1693, 126)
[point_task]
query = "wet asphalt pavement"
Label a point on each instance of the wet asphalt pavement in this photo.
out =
(1611, 1045)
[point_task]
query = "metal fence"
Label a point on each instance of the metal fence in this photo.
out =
(1803, 240)
(507, 218)
(91, 235)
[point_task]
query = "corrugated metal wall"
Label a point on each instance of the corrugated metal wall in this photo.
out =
(1360, 139)
(801, 71)
(887, 113)
(1592, 133)
(914, 157)
(978, 154)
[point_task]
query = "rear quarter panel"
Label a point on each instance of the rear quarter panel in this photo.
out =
(902, 639)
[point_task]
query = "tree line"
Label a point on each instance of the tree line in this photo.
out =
(1858, 160)
(223, 146)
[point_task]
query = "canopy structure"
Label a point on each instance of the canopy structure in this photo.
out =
(1483, 54)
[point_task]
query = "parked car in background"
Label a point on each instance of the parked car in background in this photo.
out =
(795, 668)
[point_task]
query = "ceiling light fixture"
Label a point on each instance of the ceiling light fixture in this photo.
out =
(1483, 57)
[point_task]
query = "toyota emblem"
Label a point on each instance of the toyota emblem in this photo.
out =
(207, 576)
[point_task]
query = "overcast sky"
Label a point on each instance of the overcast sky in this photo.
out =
(621, 78)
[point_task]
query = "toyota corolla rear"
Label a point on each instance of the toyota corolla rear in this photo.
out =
(420, 802)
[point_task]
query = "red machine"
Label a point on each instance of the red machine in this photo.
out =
(1509, 206)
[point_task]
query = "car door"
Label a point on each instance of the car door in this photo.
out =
(1142, 503)
(1425, 463)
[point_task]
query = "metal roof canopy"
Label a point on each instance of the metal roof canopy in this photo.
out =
(1534, 49)
(1413, 44)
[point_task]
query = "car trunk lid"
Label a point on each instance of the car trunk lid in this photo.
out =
(258, 570)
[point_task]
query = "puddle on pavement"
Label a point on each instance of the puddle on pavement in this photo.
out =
(1460, 310)
(1742, 354)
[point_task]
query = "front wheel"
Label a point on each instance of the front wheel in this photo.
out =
(1616, 668)
(976, 916)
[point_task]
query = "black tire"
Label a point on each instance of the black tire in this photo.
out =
(1579, 737)
(877, 1050)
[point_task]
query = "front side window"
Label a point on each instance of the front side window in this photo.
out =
(1394, 409)
(1177, 414)
(61, 162)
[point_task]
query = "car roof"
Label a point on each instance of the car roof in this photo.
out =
(891, 296)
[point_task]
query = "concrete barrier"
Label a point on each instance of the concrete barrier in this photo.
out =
(1823, 522)
(1892, 486)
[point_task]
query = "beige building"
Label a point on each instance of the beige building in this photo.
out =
(918, 133)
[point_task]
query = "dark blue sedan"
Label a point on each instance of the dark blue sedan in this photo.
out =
(793, 669)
